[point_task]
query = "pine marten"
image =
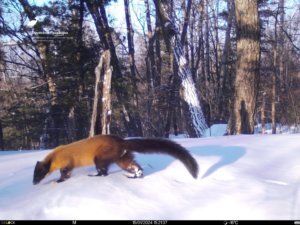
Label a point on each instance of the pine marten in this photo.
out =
(103, 150)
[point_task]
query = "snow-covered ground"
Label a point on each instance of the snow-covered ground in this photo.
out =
(241, 177)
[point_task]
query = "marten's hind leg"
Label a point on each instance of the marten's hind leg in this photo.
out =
(101, 166)
(127, 162)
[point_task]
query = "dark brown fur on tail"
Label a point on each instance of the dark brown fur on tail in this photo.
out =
(165, 146)
(103, 150)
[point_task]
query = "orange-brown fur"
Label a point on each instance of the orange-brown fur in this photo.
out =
(83, 153)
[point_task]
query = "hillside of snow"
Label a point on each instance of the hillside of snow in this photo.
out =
(241, 177)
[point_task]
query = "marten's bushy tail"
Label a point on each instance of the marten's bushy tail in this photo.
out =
(164, 146)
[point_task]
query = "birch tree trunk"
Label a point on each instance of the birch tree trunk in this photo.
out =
(247, 67)
(195, 120)
(101, 115)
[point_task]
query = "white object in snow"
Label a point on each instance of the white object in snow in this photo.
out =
(32, 23)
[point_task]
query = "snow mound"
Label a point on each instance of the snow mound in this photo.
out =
(241, 177)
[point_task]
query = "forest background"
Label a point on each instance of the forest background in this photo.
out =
(145, 68)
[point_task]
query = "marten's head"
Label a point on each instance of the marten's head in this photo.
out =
(40, 171)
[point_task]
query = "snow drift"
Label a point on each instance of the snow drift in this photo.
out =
(241, 177)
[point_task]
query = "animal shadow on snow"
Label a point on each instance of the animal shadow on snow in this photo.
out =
(227, 155)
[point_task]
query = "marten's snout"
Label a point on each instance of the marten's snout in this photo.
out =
(40, 171)
(35, 182)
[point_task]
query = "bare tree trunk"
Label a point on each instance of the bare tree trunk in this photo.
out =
(1, 136)
(150, 68)
(274, 77)
(101, 115)
(194, 117)
(224, 59)
(150, 55)
(132, 66)
(274, 81)
(186, 22)
(217, 46)
(294, 106)
(26, 134)
(281, 84)
(96, 126)
(281, 43)
(207, 49)
(263, 117)
(106, 98)
(200, 47)
(247, 67)
(130, 39)
(170, 100)
(192, 44)
(157, 78)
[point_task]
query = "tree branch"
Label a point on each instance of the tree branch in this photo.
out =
(290, 39)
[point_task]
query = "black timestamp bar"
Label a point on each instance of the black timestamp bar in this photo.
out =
(149, 222)
(8, 222)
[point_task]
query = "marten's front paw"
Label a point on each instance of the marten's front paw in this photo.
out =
(135, 174)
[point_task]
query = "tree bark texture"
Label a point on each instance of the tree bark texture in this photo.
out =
(1, 136)
(247, 67)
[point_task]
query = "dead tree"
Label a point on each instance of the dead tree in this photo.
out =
(101, 116)
(98, 12)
